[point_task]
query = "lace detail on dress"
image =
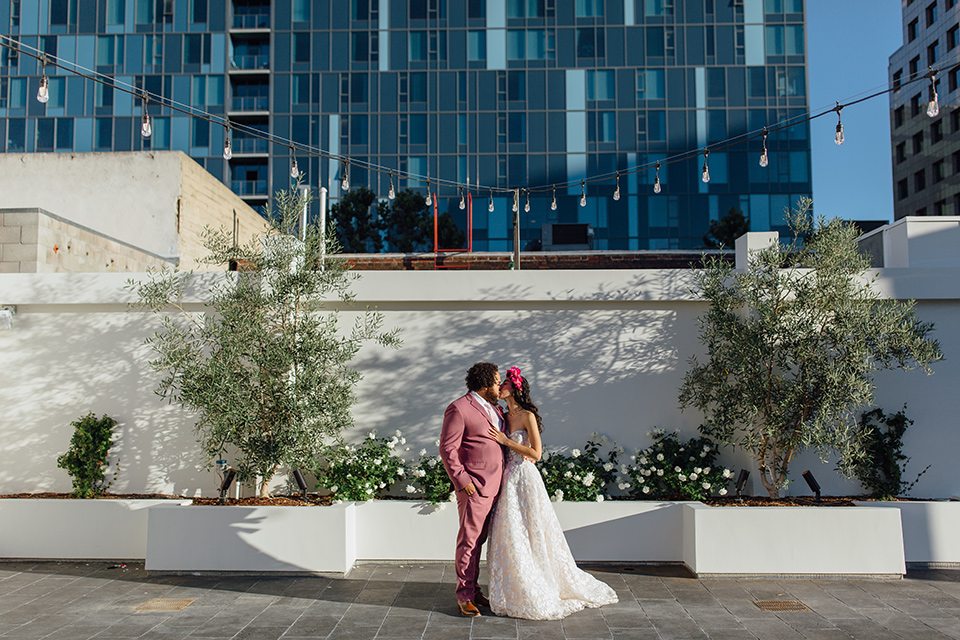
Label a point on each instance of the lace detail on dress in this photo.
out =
(532, 573)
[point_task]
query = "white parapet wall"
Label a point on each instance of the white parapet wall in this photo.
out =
(604, 351)
(931, 531)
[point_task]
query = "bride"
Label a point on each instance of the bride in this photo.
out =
(532, 573)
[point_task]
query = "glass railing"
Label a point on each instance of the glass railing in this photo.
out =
(252, 21)
(251, 62)
(250, 103)
(250, 145)
(249, 187)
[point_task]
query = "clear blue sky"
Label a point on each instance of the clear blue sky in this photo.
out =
(848, 45)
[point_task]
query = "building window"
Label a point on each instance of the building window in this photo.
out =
(63, 12)
(301, 10)
(600, 85)
(364, 48)
(603, 127)
(936, 132)
(654, 8)
(939, 171)
(196, 49)
(590, 43)
(201, 133)
(476, 45)
(530, 8)
(109, 50)
(912, 30)
(784, 40)
(476, 8)
(953, 79)
(517, 127)
(364, 10)
(931, 13)
(116, 11)
(955, 121)
(103, 95)
(530, 44)
(650, 84)
(916, 104)
(919, 180)
(897, 79)
(103, 134)
(918, 142)
(589, 8)
(940, 208)
(956, 162)
(952, 37)
(300, 88)
(901, 153)
(914, 65)
(757, 82)
(898, 117)
(950, 4)
(418, 45)
(902, 191)
(933, 53)
(301, 47)
(517, 86)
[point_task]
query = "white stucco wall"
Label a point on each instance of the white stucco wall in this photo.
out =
(605, 351)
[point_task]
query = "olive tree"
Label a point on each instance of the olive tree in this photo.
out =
(792, 343)
(265, 367)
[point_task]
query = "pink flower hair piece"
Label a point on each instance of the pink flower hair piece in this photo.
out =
(515, 378)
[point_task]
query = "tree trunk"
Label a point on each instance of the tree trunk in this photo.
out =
(265, 482)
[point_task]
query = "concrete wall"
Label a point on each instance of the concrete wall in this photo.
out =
(605, 351)
(916, 242)
(157, 202)
(37, 241)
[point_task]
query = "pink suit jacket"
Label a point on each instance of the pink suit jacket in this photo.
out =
(468, 453)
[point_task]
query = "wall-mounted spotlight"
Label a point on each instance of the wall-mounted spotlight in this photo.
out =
(227, 481)
(812, 483)
(741, 483)
(300, 483)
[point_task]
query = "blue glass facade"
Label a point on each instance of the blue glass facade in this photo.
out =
(507, 93)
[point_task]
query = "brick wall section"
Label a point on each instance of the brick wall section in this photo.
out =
(531, 261)
(207, 202)
(36, 241)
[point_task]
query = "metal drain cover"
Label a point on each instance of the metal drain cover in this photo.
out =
(781, 605)
(165, 604)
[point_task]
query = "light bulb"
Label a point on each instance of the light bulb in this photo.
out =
(616, 192)
(392, 193)
(656, 180)
(429, 200)
(43, 93)
(345, 182)
(583, 194)
(705, 172)
(463, 203)
(294, 170)
(839, 137)
(227, 148)
(146, 126)
(764, 160)
(553, 203)
(516, 203)
(490, 206)
(526, 205)
(933, 109)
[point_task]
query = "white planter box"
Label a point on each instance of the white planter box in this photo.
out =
(251, 539)
(799, 541)
(95, 529)
(614, 531)
(931, 531)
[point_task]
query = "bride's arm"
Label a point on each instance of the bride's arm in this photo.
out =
(532, 452)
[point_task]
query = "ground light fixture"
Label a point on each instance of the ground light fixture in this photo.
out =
(741, 483)
(812, 483)
(300, 483)
(225, 485)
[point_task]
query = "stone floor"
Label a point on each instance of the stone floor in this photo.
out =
(99, 600)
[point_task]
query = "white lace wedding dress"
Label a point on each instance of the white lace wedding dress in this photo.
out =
(532, 573)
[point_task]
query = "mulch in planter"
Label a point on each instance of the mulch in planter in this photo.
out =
(106, 496)
(766, 501)
(274, 501)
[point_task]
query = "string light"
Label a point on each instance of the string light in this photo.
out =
(526, 205)
(463, 202)
(516, 200)
(392, 193)
(705, 172)
(656, 180)
(345, 172)
(294, 169)
(553, 203)
(429, 200)
(43, 92)
(146, 126)
(227, 148)
(839, 137)
(490, 206)
(616, 192)
(764, 160)
(933, 109)
(583, 194)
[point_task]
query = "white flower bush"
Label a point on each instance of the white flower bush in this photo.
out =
(581, 475)
(358, 472)
(674, 470)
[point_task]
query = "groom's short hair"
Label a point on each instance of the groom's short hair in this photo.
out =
(481, 376)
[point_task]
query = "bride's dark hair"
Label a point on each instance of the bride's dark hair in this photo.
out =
(522, 396)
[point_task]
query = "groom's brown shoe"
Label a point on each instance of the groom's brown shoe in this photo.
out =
(481, 600)
(468, 609)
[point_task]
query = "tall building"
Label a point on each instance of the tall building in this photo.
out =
(926, 150)
(502, 93)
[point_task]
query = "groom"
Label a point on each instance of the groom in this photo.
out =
(474, 463)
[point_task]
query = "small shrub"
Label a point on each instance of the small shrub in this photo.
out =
(579, 476)
(364, 471)
(880, 470)
(429, 478)
(673, 470)
(86, 459)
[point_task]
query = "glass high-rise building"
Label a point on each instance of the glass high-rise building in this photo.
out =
(505, 93)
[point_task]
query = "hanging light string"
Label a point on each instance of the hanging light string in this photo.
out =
(347, 162)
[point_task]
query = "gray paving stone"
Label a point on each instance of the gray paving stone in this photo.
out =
(490, 627)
